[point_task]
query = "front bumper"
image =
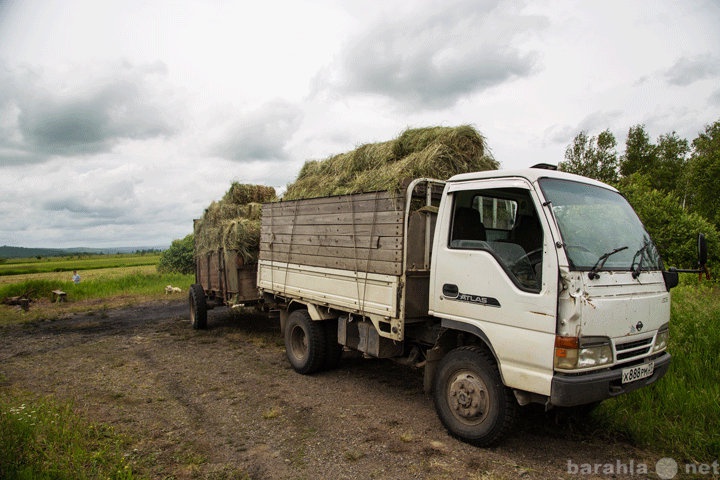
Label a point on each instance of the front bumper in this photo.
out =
(572, 390)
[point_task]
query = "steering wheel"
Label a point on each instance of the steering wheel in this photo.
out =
(526, 264)
(529, 257)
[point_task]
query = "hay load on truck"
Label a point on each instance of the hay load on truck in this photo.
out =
(507, 287)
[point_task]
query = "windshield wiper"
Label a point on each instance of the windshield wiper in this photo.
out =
(636, 271)
(593, 273)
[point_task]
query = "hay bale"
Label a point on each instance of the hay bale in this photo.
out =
(233, 223)
(435, 152)
(242, 194)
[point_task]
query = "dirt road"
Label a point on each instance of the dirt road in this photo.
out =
(224, 403)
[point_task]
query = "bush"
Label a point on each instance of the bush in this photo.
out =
(673, 229)
(179, 257)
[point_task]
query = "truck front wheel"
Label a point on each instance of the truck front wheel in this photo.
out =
(305, 342)
(198, 307)
(470, 398)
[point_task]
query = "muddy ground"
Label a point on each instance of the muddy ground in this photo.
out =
(224, 403)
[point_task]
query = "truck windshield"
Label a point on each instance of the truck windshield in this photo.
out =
(596, 222)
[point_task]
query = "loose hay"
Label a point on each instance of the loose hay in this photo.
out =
(233, 223)
(435, 152)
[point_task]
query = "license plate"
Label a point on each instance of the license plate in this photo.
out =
(638, 372)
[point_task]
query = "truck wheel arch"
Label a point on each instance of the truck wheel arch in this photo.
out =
(285, 312)
(451, 338)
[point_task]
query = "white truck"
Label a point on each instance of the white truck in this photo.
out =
(508, 287)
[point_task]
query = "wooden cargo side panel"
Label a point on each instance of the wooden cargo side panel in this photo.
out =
(208, 268)
(229, 279)
(358, 202)
(240, 280)
(247, 284)
(360, 232)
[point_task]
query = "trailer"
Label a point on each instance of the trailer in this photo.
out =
(222, 278)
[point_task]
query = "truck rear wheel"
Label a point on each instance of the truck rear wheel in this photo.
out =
(305, 342)
(198, 307)
(470, 398)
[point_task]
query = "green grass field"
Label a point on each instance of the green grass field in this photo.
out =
(114, 280)
(25, 266)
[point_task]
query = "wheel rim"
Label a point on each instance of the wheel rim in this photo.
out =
(298, 342)
(468, 398)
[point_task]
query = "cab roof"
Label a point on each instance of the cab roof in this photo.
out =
(531, 174)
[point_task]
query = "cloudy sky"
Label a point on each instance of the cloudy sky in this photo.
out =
(120, 121)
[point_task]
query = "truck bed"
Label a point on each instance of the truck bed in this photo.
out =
(366, 254)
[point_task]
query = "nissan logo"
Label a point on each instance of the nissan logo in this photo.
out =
(639, 326)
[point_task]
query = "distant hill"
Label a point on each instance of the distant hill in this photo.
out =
(24, 252)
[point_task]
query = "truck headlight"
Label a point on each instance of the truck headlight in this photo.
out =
(661, 339)
(583, 352)
(595, 354)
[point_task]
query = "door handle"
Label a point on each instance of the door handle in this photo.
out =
(450, 290)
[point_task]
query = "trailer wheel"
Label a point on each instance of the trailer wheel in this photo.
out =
(198, 307)
(470, 398)
(305, 342)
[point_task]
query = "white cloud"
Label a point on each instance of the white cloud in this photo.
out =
(261, 134)
(432, 57)
(47, 113)
(687, 71)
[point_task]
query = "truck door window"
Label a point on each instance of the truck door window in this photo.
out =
(504, 223)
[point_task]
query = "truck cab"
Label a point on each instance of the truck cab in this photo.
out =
(557, 283)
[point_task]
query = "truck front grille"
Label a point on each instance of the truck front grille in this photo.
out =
(634, 349)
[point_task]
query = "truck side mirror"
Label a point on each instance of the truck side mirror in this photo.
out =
(670, 275)
(702, 251)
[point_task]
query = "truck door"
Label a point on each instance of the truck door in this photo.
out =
(495, 275)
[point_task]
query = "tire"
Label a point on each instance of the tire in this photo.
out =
(305, 343)
(470, 398)
(334, 349)
(198, 307)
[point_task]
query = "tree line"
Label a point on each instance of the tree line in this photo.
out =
(671, 183)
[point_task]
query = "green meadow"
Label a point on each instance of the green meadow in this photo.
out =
(26, 266)
(108, 280)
